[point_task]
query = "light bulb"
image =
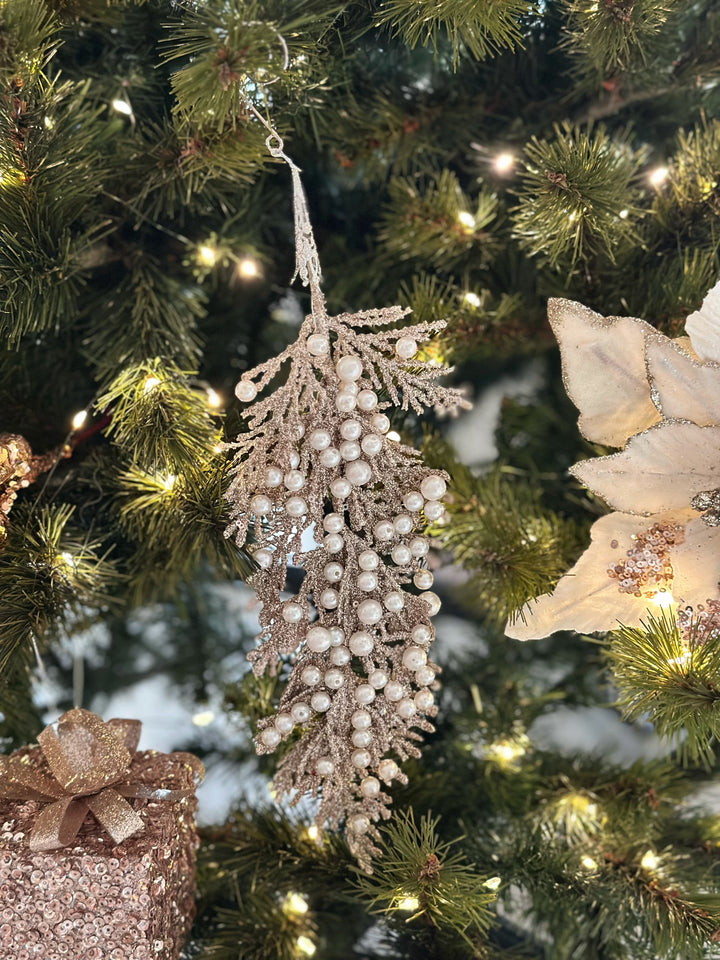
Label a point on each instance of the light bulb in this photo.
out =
(150, 384)
(408, 904)
(248, 268)
(122, 106)
(203, 718)
(663, 598)
(306, 946)
(504, 162)
(649, 861)
(466, 219)
(295, 903)
(207, 255)
(213, 398)
(492, 883)
(472, 299)
(79, 419)
(658, 176)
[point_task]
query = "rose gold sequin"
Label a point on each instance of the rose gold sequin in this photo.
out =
(648, 562)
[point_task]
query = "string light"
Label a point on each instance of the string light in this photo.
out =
(408, 904)
(306, 946)
(506, 752)
(312, 832)
(248, 268)
(150, 384)
(213, 398)
(472, 299)
(649, 861)
(623, 214)
(467, 219)
(658, 176)
(203, 718)
(168, 482)
(588, 863)
(67, 560)
(122, 106)
(79, 419)
(393, 435)
(681, 660)
(295, 903)
(207, 255)
(504, 162)
(492, 883)
(663, 598)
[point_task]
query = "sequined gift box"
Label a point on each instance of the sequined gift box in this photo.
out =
(97, 899)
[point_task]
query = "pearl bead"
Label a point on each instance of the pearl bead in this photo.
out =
(358, 472)
(378, 679)
(330, 458)
(380, 423)
(433, 601)
(349, 368)
(318, 639)
(433, 487)
(424, 700)
(333, 523)
(320, 701)
(337, 636)
(371, 444)
(310, 676)
(263, 558)
(317, 345)
(425, 675)
(320, 439)
(361, 738)
(406, 709)
(419, 547)
(246, 391)
(359, 825)
(383, 530)
(422, 633)
(423, 579)
(369, 611)
(261, 505)
(413, 501)
(366, 581)
(299, 431)
(361, 720)
(334, 679)
(345, 402)
(403, 524)
(370, 786)
(434, 510)
(294, 480)
(368, 560)
(351, 429)
(294, 460)
(340, 488)
(325, 766)
(401, 555)
(414, 658)
(329, 599)
(367, 400)
(284, 723)
(393, 690)
(361, 643)
(394, 601)
(270, 737)
(388, 769)
(360, 758)
(340, 656)
(300, 712)
(292, 612)
(273, 476)
(405, 348)
(364, 693)
(333, 543)
(296, 506)
(349, 450)
(333, 572)
(349, 386)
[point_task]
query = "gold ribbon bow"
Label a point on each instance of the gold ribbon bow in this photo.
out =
(89, 762)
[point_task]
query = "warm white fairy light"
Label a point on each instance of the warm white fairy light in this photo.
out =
(306, 946)
(623, 214)
(79, 419)
(663, 598)
(248, 268)
(214, 399)
(681, 660)
(504, 162)
(393, 435)
(492, 883)
(472, 299)
(408, 904)
(168, 482)
(649, 861)
(658, 175)
(122, 106)
(588, 863)
(312, 832)
(295, 903)
(207, 255)
(150, 384)
(467, 219)
(67, 559)
(505, 751)
(204, 718)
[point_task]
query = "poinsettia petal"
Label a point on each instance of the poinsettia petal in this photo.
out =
(703, 326)
(661, 469)
(603, 363)
(696, 565)
(587, 599)
(681, 387)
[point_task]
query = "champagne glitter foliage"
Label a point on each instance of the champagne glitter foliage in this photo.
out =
(323, 486)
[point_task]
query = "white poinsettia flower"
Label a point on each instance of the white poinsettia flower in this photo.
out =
(658, 399)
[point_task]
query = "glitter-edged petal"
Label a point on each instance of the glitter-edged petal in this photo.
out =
(586, 599)
(604, 371)
(703, 327)
(696, 565)
(681, 387)
(659, 470)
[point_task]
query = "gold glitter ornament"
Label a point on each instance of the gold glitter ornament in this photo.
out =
(322, 486)
(19, 468)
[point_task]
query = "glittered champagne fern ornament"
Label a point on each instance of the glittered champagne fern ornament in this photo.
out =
(316, 460)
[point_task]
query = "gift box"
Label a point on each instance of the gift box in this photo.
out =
(97, 845)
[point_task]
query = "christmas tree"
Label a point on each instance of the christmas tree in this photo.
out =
(515, 177)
